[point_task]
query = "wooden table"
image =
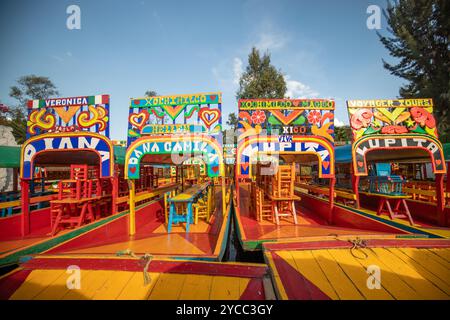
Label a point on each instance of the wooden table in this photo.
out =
(77, 218)
(277, 202)
(188, 196)
(390, 204)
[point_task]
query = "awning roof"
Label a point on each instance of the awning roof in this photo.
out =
(9, 157)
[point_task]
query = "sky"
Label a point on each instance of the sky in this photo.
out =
(126, 47)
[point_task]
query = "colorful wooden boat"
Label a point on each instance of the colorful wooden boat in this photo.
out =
(348, 268)
(379, 194)
(60, 132)
(180, 219)
(305, 136)
(100, 278)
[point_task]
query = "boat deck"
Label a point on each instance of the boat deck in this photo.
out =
(408, 269)
(205, 240)
(45, 278)
(253, 233)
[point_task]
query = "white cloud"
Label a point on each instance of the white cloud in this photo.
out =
(237, 70)
(296, 89)
(338, 123)
(270, 41)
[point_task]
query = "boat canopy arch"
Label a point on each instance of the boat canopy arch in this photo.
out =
(174, 150)
(288, 129)
(53, 149)
(394, 130)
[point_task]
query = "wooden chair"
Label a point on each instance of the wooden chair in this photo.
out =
(264, 207)
(284, 180)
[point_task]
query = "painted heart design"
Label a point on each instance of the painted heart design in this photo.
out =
(326, 164)
(360, 164)
(213, 97)
(438, 162)
(133, 170)
(139, 119)
(209, 116)
(215, 169)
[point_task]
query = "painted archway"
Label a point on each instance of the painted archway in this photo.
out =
(70, 141)
(368, 144)
(196, 144)
(321, 147)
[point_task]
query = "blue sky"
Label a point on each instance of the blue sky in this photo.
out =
(127, 47)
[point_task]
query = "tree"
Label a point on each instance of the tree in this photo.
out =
(150, 93)
(342, 134)
(233, 121)
(32, 87)
(28, 88)
(261, 79)
(420, 33)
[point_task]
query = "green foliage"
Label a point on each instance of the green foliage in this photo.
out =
(343, 134)
(261, 79)
(419, 40)
(28, 88)
(233, 121)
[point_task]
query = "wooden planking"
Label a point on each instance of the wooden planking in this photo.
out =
(168, 287)
(390, 281)
(358, 275)
(442, 253)
(410, 275)
(90, 284)
(135, 288)
(113, 286)
(307, 265)
(196, 287)
(406, 273)
(225, 288)
(36, 282)
(426, 267)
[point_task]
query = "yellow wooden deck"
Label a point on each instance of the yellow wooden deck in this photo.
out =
(406, 273)
(116, 284)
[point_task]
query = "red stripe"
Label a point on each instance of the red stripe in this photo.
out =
(30, 103)
(254, 290)
(297, 287)
(373, 243)
(9, 284)
(105, 98)
(155, 266)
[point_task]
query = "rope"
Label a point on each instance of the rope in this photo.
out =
(143, 261)
(356, 244)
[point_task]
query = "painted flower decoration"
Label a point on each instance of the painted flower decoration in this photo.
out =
(314, 117)
(258, 117)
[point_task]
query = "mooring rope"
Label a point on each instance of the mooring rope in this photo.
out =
(356, 244)
(143, 261)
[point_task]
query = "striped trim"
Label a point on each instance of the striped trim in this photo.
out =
(92, 100)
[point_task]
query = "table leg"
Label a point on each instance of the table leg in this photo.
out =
(83, 212)
(391, 213)
(294, 213)
(189, 216)
(380, 207)
(405, 205)
(275, 208)
(171, 213)
(57, 220)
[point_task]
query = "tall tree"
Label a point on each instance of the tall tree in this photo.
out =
(233, 121)
(32, 87)
(420, 35)
(261, 79)
(28, 88)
